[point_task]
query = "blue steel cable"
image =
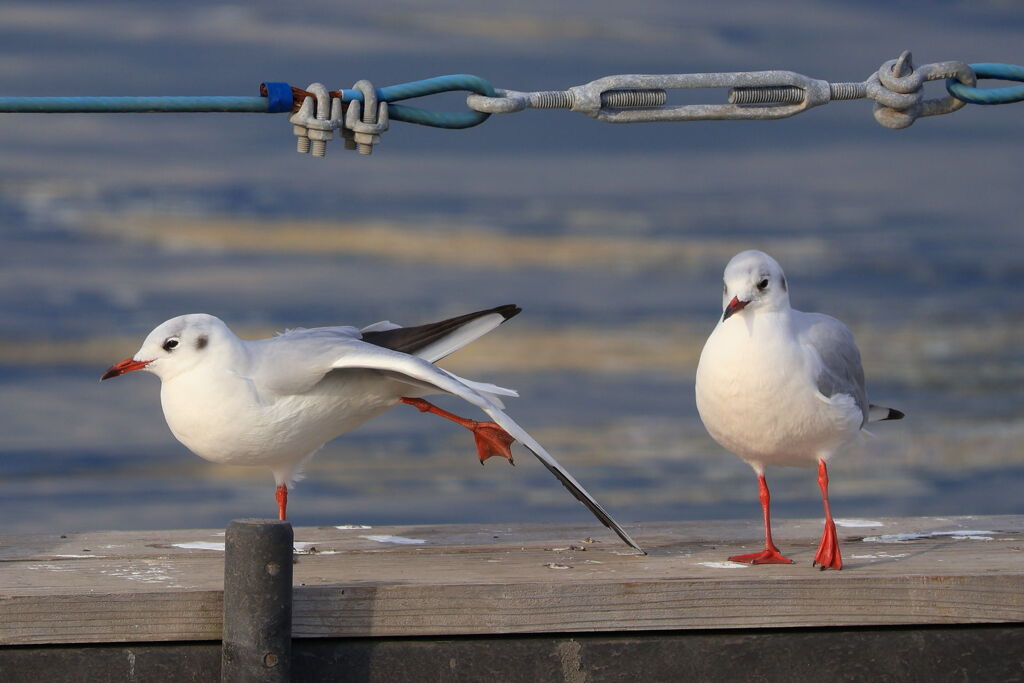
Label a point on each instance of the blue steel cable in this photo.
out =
(277, 99)
(128, 105)
(431, 86)
(1005, 72)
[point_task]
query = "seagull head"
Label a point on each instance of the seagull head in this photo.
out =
(753, 280)
(176, 346)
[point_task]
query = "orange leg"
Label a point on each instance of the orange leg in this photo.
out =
(282, 502)
(828, 552)
(491, 440)
(770, 554)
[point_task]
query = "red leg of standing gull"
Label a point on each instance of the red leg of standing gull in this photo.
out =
(491, 439)
(282, 502)
(770, 554)
(828, 552)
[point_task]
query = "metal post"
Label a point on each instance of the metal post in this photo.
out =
(257, 638)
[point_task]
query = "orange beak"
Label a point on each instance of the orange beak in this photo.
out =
(735, 306)
(127, 365)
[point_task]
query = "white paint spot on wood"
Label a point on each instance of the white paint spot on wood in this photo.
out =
(555, 565)
(76, 556)
(857, 522)
(146, 572)
(956, 535)
(309, 548)
(200, 545)
(724, 565)
(54, 567)
(401, 540)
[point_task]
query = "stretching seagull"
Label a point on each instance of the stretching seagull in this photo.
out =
(778, 386)
(275, 402)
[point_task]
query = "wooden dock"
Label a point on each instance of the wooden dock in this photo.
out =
(369, 592)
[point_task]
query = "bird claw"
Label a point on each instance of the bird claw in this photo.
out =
(766, 556)
(492, 440)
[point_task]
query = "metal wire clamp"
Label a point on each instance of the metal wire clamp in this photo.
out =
(365, 120)
(316, 120)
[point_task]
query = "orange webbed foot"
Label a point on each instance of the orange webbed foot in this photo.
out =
(766, 556)
(828, 555)
(492, 440)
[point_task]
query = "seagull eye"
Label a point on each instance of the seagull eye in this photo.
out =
(763, 284)
(171, 343)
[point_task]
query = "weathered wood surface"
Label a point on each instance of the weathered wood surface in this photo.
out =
(468, 579)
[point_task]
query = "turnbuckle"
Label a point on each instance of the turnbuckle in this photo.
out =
(896, 89)
(640, 98)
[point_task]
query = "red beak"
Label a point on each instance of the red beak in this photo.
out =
(127, 365)
(735, 306)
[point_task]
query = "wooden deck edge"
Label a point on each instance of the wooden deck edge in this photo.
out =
(529, 608)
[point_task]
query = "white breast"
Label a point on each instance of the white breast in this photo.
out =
(226, 419)
(757, 398)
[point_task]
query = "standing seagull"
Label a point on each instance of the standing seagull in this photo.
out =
(780, 387)
(275, 402)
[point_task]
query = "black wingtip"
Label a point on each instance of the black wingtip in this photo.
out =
(508, 311)
(412, 339)
(890, 413)
(591, 505)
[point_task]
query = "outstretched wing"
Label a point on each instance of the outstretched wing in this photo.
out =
(434, 341)
(359, 355)
(841, 371)
(296, 360)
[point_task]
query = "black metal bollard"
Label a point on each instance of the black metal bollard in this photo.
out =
(257, 638)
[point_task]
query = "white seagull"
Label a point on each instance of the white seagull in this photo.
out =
(778, 386)
(274, 402)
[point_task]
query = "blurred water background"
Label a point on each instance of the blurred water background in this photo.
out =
(612, 238)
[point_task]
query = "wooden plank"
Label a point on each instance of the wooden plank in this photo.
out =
(166, 585)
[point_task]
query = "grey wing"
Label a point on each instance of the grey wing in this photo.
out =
(296, 360)
(841, 370)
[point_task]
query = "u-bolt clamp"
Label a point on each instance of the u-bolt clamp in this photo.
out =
(316, 120)
(366, 119)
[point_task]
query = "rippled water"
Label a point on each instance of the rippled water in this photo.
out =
(611, 238)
